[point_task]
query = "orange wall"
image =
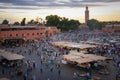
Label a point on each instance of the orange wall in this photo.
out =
(52, 31)
(38, 34)
(111, 28)
(26, 34)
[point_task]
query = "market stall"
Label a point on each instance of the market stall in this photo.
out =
(10, 59)
(4, 79)
(81, 58)
(81, 46)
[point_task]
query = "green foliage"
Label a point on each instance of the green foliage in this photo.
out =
(31, 22)
(103, 24)
(66, 24)
(16, 23)
(5, 21)
(62, 23)
(52, 20)
(94, 24)
(23, 22)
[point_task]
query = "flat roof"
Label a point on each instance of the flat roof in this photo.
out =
(21, 27)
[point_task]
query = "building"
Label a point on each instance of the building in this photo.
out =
(18, 34)
(83, 26)
(86, 14)
(50, 31)
(111, 28)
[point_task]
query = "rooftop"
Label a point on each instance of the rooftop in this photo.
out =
(12, 26)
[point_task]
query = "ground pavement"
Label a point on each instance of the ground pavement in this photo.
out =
(66, 71)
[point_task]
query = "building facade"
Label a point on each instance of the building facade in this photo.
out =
(19, 34)
(50, 31)
(111, 28)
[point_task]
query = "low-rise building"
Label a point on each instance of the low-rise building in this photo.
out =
(10, 34)
(112, 28)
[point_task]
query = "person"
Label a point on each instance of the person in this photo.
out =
(33, 77)
(59, 72)
(87, 76)
(51, 69)
(41, 70)
(117, 73)
(34, 64)
(74, 75)
(78, 50)
(48, 79)
(89, 70)
(3, 71)
(118, 64)
(95, 65)
(25, 77)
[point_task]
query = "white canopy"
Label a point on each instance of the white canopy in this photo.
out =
(10, 56)
(113, 41)
(4, 79)
(73, 45)
(82, 58)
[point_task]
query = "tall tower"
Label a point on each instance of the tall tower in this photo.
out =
(86, 14)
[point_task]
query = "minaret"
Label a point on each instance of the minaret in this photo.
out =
(86, 14)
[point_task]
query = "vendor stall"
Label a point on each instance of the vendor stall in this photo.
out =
(10, 59)
(72, 45)
(81, 58)
(4, 79)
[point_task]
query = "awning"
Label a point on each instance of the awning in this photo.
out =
(82, 58)
(10, 38)
(10, 56)
(4, 79)
(73, 45)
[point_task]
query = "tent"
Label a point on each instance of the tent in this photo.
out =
(73, 45)
(4, 79)
(10, 56)
(82, 58)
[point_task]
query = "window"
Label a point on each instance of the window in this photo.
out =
(32, 33)
(10, 34)
(22, 35)
(41, 33)
(42, 28)
(4, 35)
(16, 34)
(37, 33)
(27, 33)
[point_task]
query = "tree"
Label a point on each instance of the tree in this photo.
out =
(23, 22)
(31, 22)
(39, 20)
(66, 24)
(62, 23)
(16, 23)
(52, 20)
(5, 21)
(94, 24)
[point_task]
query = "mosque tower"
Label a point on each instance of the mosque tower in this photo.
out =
(86, 14)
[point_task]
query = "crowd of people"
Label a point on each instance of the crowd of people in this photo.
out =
(108, 44)
(42, 58)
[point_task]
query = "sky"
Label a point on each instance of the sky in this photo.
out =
(16, 10)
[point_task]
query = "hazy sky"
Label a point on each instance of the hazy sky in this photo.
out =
(103, 10)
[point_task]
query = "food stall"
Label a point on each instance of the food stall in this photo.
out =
(4, 79)
(72, 45)
(82, 59)
(10, 59)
